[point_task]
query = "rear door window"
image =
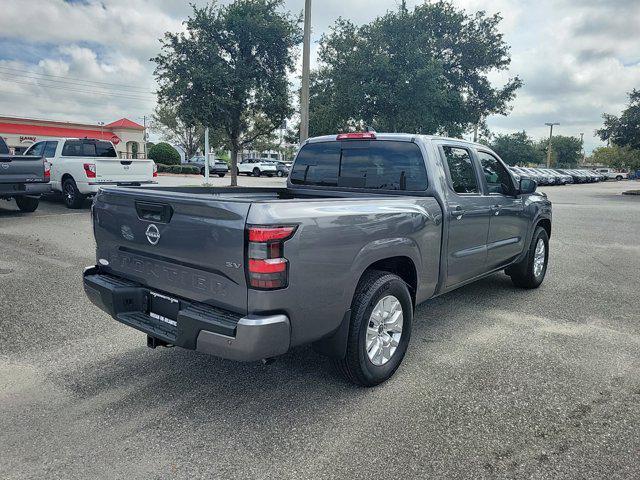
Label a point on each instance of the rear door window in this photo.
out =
(367, 164)
(50, 149)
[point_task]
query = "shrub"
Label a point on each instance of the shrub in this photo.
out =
(175, 169)
(191, 169)
(162, 168)
(164, 153)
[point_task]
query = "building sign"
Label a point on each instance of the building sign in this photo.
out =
(27, 139)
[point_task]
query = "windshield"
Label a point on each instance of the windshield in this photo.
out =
(369, 164)
(88, 148)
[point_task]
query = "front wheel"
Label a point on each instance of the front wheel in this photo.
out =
(256, 172)
(279, 173)
(221, 175)
(27, 204)
(71, 195)
(619, 177)
(380, 329)
(530, 272)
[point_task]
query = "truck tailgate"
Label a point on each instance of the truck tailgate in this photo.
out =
(176, 243)
(123, 170)
(21, 169)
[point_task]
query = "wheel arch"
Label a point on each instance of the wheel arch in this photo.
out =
(335, 345)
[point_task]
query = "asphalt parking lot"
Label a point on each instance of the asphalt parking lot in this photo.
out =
(498, 382)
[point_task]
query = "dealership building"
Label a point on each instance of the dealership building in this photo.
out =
(20, 133)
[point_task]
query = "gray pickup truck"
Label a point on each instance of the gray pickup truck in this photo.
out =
(368, 226)
(23, 178)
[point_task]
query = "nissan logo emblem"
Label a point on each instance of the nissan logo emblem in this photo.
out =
(153, 234)
(5, 165)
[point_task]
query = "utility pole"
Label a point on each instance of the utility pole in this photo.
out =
(206, 156)
(144, 136)
(582, 147)
(550, 125)
(306, 54)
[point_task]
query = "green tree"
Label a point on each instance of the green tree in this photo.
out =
(164, 153)
(565, 151)
(422, 71)
(166, 123)
(616, 157)
(229, 69)
(624, 130)
(516, 148)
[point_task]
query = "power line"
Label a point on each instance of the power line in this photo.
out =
(79, 81)
(67, 88)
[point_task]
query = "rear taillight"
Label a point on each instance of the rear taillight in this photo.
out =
(90, 170)
(267, 266)
(155, 170)
(47, 172)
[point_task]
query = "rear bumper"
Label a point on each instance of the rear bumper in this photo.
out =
(19, 189)
(198, 327)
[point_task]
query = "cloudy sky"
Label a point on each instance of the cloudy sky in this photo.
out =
(86, 60)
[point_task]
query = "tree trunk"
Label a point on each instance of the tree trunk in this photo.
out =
(234, 163)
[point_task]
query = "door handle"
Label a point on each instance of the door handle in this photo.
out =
(496, 209)
(457, 212)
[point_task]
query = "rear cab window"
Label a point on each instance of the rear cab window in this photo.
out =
(88, 148)
(387, 165)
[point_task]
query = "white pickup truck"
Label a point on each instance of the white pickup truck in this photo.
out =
(79, 166)
(611, 174)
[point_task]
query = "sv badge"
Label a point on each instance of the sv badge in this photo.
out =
(233, 265)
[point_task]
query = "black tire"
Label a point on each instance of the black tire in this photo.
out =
(202, 171)
(71, 195)
(523, 274)
(356, 365)
(221, 175)
(619, 177)
(256, 172)
(27, 204)
(279, 173)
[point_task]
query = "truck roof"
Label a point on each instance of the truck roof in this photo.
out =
(402, 137)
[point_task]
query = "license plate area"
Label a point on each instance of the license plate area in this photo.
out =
(163, 308)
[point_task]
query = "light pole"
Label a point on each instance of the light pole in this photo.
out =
(304, 93)
(550, 125)
(582, 147)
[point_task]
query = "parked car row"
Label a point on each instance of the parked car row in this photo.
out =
(562, 176)
(256, 167)
(216, 166)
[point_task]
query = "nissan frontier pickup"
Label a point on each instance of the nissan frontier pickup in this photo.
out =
(368, 226)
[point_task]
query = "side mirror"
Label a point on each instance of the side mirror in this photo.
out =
(527, 186)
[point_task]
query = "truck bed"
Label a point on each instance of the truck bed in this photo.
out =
(238, 194)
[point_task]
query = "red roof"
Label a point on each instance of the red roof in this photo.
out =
(40, 131)
(125, 123)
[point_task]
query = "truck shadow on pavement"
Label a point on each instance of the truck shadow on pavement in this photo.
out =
(200, 382)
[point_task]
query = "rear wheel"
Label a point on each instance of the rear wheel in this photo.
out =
(71, 195)
(380, 329)
(279, 173)
(619, 177)
(27, 204)
(530, 272)
(202, 171)
(256, 172)
(221, 175)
